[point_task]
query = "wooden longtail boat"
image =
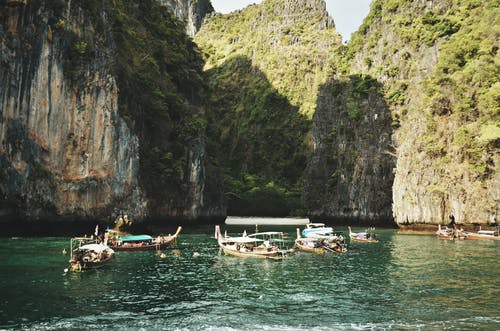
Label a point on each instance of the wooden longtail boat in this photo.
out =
(363, 237)
(143, 242)
(320, 245)
(450, 234)
(445, 233)
(263, 245)
(87, 254)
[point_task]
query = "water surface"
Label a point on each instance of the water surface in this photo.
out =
(404, 282)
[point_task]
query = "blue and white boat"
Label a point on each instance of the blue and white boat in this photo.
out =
(315, 230)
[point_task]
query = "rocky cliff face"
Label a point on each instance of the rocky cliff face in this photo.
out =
(290, 41)
(349, 175)
(266, 64)
(433, 58)
(66, 150)
(190, 11)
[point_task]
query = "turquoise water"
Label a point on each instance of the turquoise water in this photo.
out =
(405, 282)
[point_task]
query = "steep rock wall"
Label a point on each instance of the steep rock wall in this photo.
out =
(349, 175)
(192, 12)
(66, 151)
(290, 41)
(436, 60)
(266, 63)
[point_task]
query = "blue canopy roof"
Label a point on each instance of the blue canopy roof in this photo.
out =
(140, 237)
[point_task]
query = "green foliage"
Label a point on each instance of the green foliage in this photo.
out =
(262, 136)
(460, 91)
(363, 84)
(374, 15)
(294, 50)
(250, 195)
(160, 79)
(79, 53)
(265, 67)
(80, 47)
(489, 133)
(368, 61)
(353, 110)
(464, 85)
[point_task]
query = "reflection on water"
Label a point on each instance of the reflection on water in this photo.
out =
(404, 282)
(450, 280)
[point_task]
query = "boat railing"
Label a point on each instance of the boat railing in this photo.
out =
(77, 242)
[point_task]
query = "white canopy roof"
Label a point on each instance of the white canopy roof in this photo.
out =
(265, 234)
(94, 247)
(241, 240)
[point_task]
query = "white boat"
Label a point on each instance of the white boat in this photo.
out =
(267, 245)
(320, 244)
(450, 233)
(367, 237)
(86, 253)
(483, 235)
(314, 230)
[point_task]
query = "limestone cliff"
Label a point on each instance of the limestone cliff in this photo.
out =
(192, 12)
(72, 146)
(290, 41)
(266, 63)
(349, 175)
(438, 63)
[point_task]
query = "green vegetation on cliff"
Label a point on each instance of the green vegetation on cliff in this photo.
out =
(290, 42)
(159, 72)
(263, 139)
(266, 63)
(161, 90)
(439, 64)
(464, 87)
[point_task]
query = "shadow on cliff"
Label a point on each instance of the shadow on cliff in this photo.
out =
(262, 139)
(349, 177)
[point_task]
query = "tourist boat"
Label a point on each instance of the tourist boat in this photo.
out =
(483, 235)
(450, 234)
(142, 242)
(363, 237)
(445, 233)
(320, 245)
(86, 253)
(266, 245)
(313, 230)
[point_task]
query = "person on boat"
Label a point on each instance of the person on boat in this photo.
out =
(453, 225)
(452, 222)
(106, 238)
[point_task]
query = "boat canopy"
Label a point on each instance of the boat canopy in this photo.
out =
(491, 232)
(241, 240)
(315, 225)
(98, 248)
(140, 237)
(262, 234)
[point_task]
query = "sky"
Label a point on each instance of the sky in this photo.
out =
(347, 14)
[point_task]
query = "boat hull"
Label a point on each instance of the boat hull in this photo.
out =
(358, 240)
(253, 254)
(470, 236)
(157, 244)
(446, 236)
(362, 237)
(305, 248)
(75, 266)
(155, 247)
